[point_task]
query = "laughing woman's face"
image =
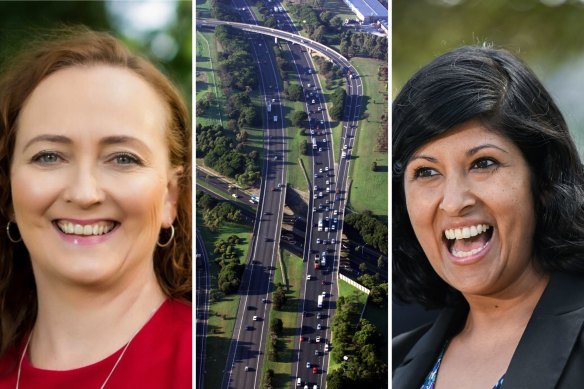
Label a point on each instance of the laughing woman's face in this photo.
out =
(468, 195)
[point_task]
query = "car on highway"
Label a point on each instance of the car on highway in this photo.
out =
(318, 315)
(326, 347)
(320, 149)
(335, 212)
(316, 353)
(313, 209)
(308, 365)
(308, 277)
(320, 170)
(317, 240)
(314, 370)
(316, 187)
(256, 318)
(249, 328)
(318, 326)
(247, 368)
(315, 175)
(345, 147)
(275, 157)
(323, 293)
(333, 241)
(319, 109)
(234, 195)
(265, 301)
(317, 340)
(315, 196)
(251, 308)
(319, 194)
(302, 339)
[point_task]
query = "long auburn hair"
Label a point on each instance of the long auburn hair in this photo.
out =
(68, 47)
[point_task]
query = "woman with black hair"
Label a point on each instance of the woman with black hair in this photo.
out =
(488, 224)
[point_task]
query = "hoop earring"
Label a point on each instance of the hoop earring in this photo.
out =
(10, 238)
(169, 239)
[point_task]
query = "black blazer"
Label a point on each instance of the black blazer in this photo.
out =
(549, 355)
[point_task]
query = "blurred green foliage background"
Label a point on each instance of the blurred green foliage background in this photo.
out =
(166, 40)
(547, 34)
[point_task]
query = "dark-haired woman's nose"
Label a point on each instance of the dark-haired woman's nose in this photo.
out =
(457, 195)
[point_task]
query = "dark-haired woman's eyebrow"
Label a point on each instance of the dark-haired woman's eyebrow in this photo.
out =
(476, 149)
(424, 157)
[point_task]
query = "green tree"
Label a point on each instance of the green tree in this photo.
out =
(299, 118)
(336, 23)
(304, 147)
(363, 267)
(276, 326)
(295, 92)
(279, 298)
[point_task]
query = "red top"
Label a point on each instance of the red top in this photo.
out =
(159, 357)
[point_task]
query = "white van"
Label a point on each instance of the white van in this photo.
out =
(299, 381)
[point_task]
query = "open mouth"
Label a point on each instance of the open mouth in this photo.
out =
(94, 229)
(467, 241)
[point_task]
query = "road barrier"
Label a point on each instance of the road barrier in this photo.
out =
(354, 283)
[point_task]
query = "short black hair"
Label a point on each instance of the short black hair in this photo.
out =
(497, 88)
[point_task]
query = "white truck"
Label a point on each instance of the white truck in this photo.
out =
(323, 262)
(275, 118)
(314, 146)
(319, 302)
(269, 107)
(320, 223)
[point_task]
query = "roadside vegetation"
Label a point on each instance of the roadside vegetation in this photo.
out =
(283, 323)
(226, 156)
(359, 348)
(369, 159)
(364, 227)
(361, 44)
(222, 307)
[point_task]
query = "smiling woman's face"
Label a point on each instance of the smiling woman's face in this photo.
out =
(468, 195)
(91, 179)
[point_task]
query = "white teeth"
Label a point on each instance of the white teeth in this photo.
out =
(462, 254)
(466, 232)
(87, 230)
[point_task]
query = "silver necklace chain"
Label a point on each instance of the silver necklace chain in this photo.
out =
(111, 371)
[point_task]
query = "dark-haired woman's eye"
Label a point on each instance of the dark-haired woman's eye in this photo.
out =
(484, 163)
(424, 172)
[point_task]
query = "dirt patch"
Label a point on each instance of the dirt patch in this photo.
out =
(297, 201)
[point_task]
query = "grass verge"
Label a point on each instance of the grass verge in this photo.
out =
(369, 189)
(293, 266)
(346, 290)
(295, 176)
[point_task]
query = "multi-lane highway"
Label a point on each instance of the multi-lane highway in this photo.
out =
(202, 307)
(324, 219)
(244, 361)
